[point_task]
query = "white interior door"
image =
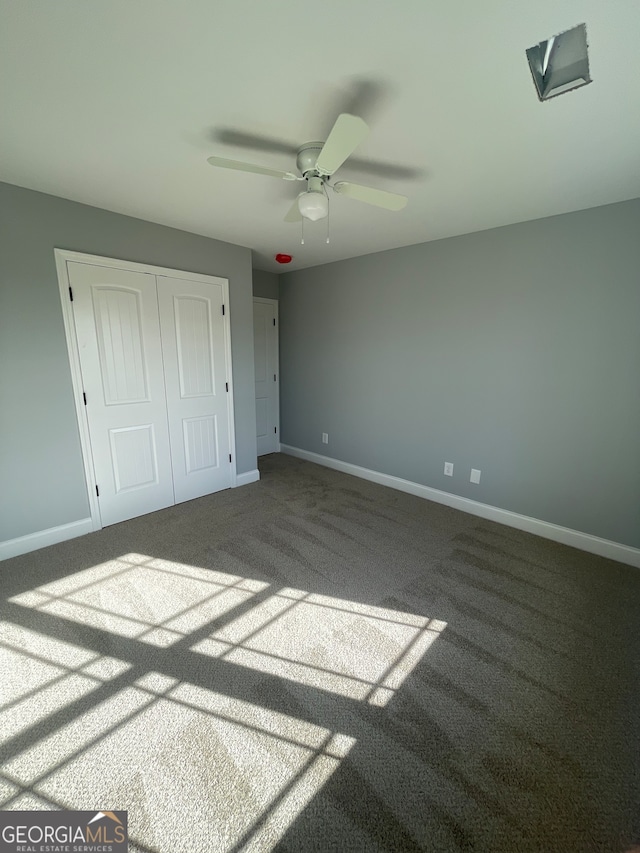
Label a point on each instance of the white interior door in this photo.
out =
(197, 385)
(118, 334)
(265, 348)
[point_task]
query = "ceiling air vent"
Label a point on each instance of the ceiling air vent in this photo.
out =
(560, 63)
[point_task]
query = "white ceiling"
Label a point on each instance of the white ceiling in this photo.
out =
(118, 104)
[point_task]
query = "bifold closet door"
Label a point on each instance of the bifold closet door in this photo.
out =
(118, 334)
(194, 348)
(153, 358)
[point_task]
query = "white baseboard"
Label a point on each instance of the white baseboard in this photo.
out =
(247, 477)
(565, 535)
(33, 541)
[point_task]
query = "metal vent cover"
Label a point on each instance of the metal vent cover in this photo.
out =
(560, 63)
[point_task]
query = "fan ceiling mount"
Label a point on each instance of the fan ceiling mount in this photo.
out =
(317, 162)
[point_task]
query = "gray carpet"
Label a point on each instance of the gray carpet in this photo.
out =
(317, 663)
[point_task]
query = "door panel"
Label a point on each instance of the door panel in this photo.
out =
(194, 346)
(201, 450)
(133, 456)
(265, 349)
(118, 316)
(118, 333)
(262, 418)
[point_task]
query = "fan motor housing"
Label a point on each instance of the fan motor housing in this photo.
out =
(308, 157)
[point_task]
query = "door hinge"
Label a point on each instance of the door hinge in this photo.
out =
(71, 295)
(84, 397)
(97, 492)
(223, 310)
(229, 457)
(227, 384)
(274, 377)
(274, 321)
(275, 429)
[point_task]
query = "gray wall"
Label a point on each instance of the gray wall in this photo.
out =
(266, 284)
(40, 461)
(515, 351)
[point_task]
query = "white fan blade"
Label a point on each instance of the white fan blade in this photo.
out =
(251, 167)
(294, 214)
(346, 134)
(381, 198)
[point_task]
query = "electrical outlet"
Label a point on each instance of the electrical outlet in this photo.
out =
(448, 469)
(475, 475)
(325, 438)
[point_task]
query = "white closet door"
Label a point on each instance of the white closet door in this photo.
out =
(194, 348)
(265, 352)
(118, 333)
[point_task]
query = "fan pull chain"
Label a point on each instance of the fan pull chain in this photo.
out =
(302, 232)
(324, 187)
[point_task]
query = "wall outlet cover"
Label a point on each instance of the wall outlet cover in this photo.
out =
(448, 469)
(475, 475)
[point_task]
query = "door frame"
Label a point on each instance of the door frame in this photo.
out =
(62, 258)
(274, 303)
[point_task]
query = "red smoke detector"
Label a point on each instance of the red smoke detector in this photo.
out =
(283, 259)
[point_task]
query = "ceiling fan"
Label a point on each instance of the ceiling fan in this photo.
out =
(317, 162)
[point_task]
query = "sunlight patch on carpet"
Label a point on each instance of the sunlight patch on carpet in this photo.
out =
(135, 596)
(91, 728)
(357, 650)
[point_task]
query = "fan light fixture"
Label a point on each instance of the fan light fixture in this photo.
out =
(314, 204)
